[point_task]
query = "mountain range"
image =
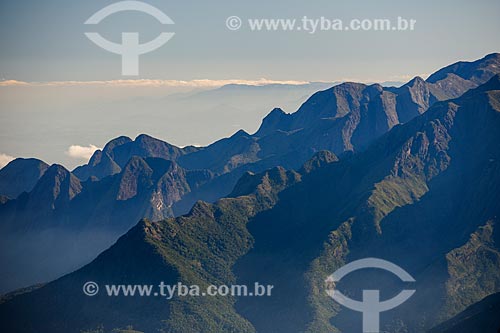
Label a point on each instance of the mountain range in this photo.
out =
(381, 172)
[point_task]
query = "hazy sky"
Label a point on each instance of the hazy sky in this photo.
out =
(44, 41)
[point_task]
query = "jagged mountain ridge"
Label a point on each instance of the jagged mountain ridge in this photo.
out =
(349, 115)
(113, 157)
(156, 181)
(346, 117)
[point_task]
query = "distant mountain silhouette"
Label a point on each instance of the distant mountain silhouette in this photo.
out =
(119, 151)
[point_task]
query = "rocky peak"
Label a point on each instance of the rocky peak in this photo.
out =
(136, 175)
(56, 187)
(21, 175)
(478, 71)
(265, 183)
(113, 144)
(318, 160)
(277, 119)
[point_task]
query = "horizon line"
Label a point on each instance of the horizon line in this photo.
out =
(196, 83)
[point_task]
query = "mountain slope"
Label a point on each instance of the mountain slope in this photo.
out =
(63, 223)
(437, 175)
(482, 316)
(195, 249)
(119, 313)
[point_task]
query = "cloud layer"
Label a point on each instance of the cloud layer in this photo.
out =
(81, 152)
(5, 159)
(148, 83)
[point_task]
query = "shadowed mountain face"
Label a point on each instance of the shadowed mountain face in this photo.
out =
(144, 187)
(20, 176)
(63, 222)
(180, 249)
(436, 175)
(482, 316)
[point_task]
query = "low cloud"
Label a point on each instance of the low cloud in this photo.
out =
(149, 83)
(5, 159)
(81, 152)
(202, 83)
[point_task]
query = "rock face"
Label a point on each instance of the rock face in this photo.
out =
(61, 212)
(352, 115)
(20, 176)
(424, 196)
(146, 187)
(55, 189)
